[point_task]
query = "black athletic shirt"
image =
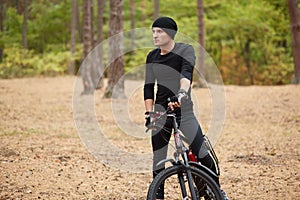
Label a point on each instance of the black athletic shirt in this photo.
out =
(167, 70)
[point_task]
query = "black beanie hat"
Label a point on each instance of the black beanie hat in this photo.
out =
(167, 24)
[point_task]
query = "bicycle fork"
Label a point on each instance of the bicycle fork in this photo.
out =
(190, 183)
(181, 150)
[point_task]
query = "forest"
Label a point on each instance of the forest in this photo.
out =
(249, 41)
(57, 143)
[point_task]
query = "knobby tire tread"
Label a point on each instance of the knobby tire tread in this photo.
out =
(179, 168)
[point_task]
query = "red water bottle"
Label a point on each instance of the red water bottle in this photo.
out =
(191, 156)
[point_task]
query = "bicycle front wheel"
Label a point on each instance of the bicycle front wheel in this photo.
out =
(175, 183)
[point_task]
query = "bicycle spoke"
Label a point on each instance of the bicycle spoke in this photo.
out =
(176, 185)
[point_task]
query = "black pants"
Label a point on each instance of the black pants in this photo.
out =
(189, 126)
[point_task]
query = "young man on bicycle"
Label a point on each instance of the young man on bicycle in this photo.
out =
(171, 65)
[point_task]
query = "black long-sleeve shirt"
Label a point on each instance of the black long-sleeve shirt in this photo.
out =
(167, 70)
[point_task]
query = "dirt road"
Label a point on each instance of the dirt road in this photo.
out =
(43, 157)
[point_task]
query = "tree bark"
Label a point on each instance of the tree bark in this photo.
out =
(25, 18)
(295, 32)
(73, 35)
(2, 16)
(131, 5)
(100, 38)
(201, 51)
(156, 9)
(100, 12)
(143, 7)
(92, 24)
(246, 54)
(87, 27)
(115, 87)
(2, 12)
(17, 5)
(95, 73)
(79, 25)
(87, 47)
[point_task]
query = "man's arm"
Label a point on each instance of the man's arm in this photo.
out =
(149, 105)
(184, 85)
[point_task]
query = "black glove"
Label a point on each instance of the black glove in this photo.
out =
(181, 96)
(148, 119)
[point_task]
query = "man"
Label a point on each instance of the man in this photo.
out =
(171, 66)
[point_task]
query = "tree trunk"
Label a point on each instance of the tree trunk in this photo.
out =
(87, 27)
(100, 12)
(19, 6)
(100, 38)
(143, 7)
(247, 59)
(92, 24)
(79, 25)
(24, 31)
(2, 11)
(131, 5)
(295, 32)
(87, 47)
(201, 73)
(156, 9)
(95, 74)
(73, 35)
(115, 87)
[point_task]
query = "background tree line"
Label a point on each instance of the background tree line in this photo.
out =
(250, 41)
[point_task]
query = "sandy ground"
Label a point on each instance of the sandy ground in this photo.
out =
(43, 157)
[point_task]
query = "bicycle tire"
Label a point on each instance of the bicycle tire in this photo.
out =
(207, 189)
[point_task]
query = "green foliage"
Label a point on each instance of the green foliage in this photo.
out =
(134, 67)
(50, 24)
(249, 40)
(245, 37)
(24, 63)
(12, 33)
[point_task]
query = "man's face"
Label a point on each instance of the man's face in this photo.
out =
(160, 37)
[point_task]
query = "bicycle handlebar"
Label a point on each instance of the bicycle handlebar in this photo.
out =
(157, 116)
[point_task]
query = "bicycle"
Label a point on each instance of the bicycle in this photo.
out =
(185, 178)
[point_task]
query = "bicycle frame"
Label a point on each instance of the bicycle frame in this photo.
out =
(183, 162)
(181, 150)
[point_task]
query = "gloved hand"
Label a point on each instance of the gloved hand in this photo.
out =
(176, 101)
(148, 119)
